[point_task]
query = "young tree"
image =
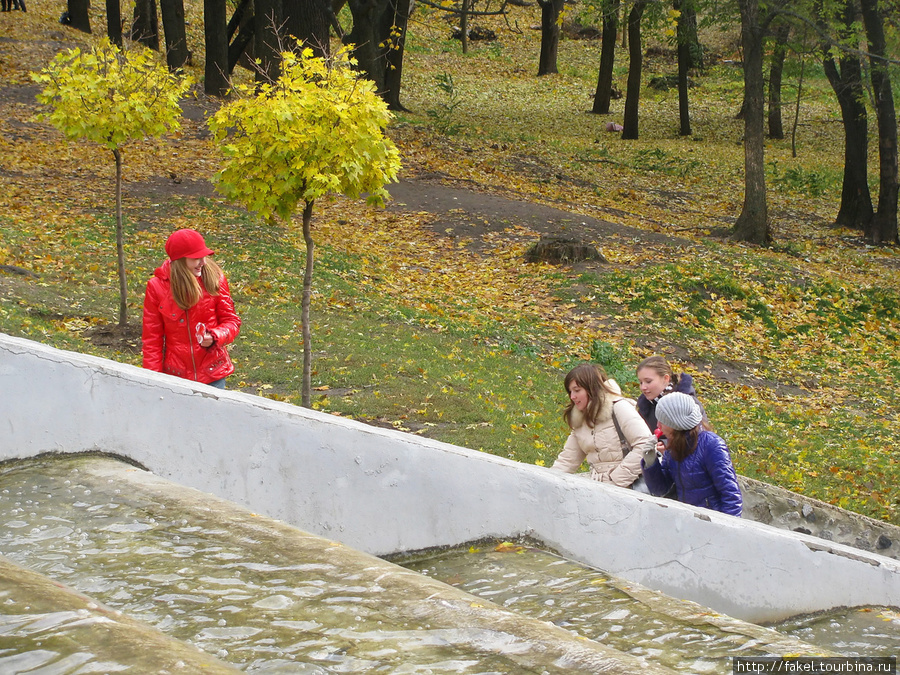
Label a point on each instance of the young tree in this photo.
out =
(111, 97)
(317, 129)
(689, 56)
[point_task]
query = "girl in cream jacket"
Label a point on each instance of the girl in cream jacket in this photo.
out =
(593, 398)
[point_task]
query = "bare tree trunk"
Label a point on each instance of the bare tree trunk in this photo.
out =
(608, 39)
(114, 22)
(177, 54)
(776, 70)
(753, 223)
(145, 28)
(366, 39)
(635, 65)
(120, 242)
(884, 225)
(686, 35)
(267, 24)
(304, 306)
(216, 71)
(78, 15)
(396, 27)
(845, 77)
(550, 11)
(309, 22)
(797, 108)
(464, 25)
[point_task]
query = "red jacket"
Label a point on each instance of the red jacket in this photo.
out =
(170, 333)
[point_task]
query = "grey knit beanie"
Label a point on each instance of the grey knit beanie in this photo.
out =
(678, 411)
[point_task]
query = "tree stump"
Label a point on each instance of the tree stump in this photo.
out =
(558, 250)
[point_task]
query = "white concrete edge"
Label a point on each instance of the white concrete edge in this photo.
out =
(384, 491)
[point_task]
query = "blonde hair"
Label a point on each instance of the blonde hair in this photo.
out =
(186, 289)
(660, 365)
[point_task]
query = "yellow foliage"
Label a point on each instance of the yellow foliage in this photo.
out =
(318, 129)
(110, 96)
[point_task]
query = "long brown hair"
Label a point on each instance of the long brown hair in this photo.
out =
(592, 378)
(681, 444)
(186, 289)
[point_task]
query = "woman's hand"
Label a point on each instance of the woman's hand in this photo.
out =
(207, 340)
(648, 450)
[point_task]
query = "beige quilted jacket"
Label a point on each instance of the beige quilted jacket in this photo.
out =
(600, 445)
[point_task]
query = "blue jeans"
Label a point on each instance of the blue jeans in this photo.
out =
(218, 384)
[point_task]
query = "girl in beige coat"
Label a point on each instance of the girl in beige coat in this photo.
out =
(593, 437)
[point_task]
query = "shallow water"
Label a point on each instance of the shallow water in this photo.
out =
(599, 607)
(245, 600)
(865, 631)
(220, 591)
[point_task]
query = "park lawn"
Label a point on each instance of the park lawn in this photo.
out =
(415, 330)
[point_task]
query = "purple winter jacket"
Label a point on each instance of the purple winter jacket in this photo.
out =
(705, 478)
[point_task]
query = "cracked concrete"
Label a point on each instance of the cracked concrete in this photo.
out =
(411, 493)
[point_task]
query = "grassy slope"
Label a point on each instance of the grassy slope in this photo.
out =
(412, 329)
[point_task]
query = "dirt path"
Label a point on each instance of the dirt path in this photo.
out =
(470, 212)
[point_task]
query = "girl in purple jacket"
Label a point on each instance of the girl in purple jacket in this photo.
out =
(694, 459)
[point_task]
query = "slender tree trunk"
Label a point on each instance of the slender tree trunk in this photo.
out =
(845, 77)
(884, 225)
(464, 25)
(753, 223)
(776, 70)
(550, 11)
(685, 36)
(177, 54)
(78, 15)
(120, 243)
(114, 22)
(304, 307)
(237, 19)
(145, 28)
(797, 108)
(239, 45)
(635, 65)
(216, 71)
(603, 95)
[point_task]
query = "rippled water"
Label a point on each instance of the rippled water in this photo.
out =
(247, 601)
(596, 606)
(224, 592)
(867, 631)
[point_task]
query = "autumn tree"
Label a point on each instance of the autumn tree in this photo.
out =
(78, 17)
(550, 31)
(753, 223)
(842, 65)
(635, 67)
(609, 33)
(317, 129)
(883, 228)
(111, 97)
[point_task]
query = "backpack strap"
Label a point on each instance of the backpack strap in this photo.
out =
(626, 447)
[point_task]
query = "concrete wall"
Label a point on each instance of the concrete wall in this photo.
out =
(383, 491)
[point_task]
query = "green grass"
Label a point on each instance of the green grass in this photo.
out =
(810, 324)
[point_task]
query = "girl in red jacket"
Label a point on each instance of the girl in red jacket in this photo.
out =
(189, 315)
